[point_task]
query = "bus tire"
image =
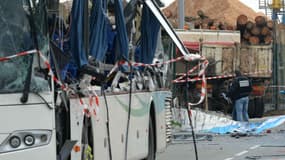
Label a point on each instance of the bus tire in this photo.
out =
(151, 146)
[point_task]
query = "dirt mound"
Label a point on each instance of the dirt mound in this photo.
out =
(225, 11)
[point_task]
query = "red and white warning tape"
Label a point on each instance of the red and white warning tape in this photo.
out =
(92, 107)
(137, 64)
(189, 57)
(46, 62)
(18, 55)
(181, 80)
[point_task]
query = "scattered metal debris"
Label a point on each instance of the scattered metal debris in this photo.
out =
(186, 137)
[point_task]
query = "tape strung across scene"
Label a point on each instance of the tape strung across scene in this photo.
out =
(46, 62)
(181, 79)
(93, 97)
(188, 57)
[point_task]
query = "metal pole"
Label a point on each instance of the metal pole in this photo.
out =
(275, 60)
(181, 13)
(283, 10)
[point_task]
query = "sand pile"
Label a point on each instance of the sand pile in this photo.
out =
(225, 11)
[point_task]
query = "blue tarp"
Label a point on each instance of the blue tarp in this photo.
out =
(251, 127)
(149, 33)
(98, 30)
(122, 41)
(76, 33)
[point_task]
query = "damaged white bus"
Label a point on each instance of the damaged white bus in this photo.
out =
(61, 99)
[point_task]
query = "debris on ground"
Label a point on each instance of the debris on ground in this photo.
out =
(216, 123)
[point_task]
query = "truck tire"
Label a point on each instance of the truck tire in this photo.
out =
(151, 147)
(251, 108)
(256, 107)
(259, 107)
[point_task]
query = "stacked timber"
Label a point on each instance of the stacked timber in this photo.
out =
(205, 22)
(258, 32)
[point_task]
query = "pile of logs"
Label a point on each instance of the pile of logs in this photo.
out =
(204, 22)
(255, 33)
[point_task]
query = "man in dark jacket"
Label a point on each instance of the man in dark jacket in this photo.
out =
(239, 92)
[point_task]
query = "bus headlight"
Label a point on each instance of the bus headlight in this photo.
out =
(29, 140)
(20, 140)
(15, 142)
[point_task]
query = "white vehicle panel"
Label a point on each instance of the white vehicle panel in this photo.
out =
(10, 99)
(118, 106)
(37, 116)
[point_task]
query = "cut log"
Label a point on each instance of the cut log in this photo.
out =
(209, 21)
(260, 21)
(268, 40)
(213, 28)
(205, 26)
(270, 24)
(246, 35)
(201, 14)
(254, 40)
(230, 27)
(255, 31)
(265, 31)
(197, 24)
(241, 21)
(189, 19)
(222, 26)
(249, 25)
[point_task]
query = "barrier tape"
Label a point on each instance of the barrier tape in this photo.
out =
(204, 84)
(18, 55)
(190, 57)
(46, 62)
(93, 101)
(92, 107)
(203, 65)
(179, 80)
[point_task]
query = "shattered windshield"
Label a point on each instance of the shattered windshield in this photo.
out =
(18, 18)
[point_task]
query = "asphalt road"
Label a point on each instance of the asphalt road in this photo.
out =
(267, 146)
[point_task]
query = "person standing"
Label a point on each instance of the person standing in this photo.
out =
(239, 92)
